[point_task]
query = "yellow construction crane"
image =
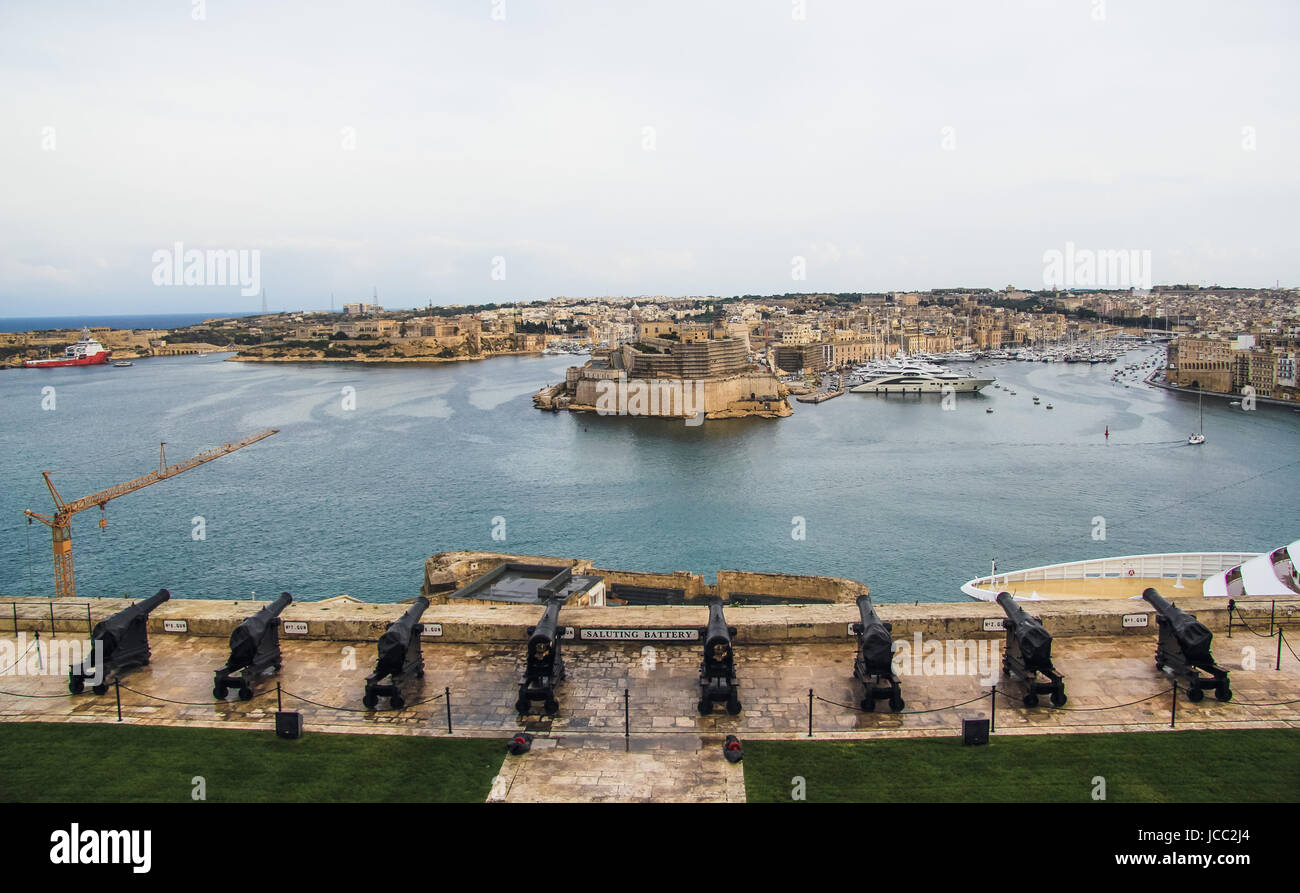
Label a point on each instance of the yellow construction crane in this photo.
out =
(61, 523)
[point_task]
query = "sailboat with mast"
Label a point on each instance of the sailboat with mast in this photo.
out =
(1199, 436)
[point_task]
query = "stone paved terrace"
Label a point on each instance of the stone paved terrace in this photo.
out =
(673, 752)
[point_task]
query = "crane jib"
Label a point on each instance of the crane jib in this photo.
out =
(61, 523)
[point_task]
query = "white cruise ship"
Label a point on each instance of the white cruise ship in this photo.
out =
(1274, 574)
(904, 376)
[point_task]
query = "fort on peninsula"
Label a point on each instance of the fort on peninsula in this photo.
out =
(688, 371)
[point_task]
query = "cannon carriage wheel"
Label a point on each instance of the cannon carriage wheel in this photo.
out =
(76, 685)
(551, 706)
(868, 704)
(1058, 697)
(397, 702)
(219, 691)
(100, 689)
(896, 702)
(245, 693)
(369, 700)
(733, 704)
(1222, 692)
(705, 706)
(1194, 694)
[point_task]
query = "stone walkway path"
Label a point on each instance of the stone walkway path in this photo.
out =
(599, 770)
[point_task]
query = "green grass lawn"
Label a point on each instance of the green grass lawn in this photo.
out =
(1241, 766)
(85, 763)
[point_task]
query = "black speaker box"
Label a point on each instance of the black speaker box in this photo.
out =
(974, 731)
(288, 724)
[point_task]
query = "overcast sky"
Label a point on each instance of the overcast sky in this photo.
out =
(899, 145)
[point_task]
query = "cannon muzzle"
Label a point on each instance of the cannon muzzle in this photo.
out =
(717, 636)
(541, 641)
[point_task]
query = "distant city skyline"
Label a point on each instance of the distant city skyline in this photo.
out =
(514, 151)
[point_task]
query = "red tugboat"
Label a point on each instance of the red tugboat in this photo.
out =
(86, 352)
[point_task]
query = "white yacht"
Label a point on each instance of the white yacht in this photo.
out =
(896, 376)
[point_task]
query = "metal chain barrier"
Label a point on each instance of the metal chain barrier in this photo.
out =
(1251, 628)
(184, 703)
(902, 712)
(1158, 694)
(353, 709)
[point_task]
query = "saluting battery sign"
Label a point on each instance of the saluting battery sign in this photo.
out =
(679, 636)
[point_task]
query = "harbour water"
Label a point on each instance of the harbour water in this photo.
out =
(896, 492)
(112, 320)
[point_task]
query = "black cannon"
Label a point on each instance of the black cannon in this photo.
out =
(254, 647)
(400, 658)
(544, 668)
(1029, 655)
(1183, 646)
(874, 664)
(117, 643)
(718, 668)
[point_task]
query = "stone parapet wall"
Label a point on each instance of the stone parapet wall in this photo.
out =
(799, 586)
(350, 621)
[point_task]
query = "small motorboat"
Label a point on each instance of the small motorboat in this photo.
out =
(1195, 439)
(1049, 406)
(122, 364)
(990, 409)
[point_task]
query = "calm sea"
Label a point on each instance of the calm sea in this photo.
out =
(895, 492)
(113, 320)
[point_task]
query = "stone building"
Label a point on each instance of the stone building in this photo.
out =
(816, 357)
(1206, 363)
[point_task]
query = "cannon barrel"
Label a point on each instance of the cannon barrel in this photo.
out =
(717, 628)
(1193, 637)
(1157, 601)
(152, 601)
(1035, 642)
(1012, 610)
(397, 638)
(867, 612)
(717, 669)
(717, 635)
(545, 632)
(875, 642)
(109, 628)
(244, 640)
